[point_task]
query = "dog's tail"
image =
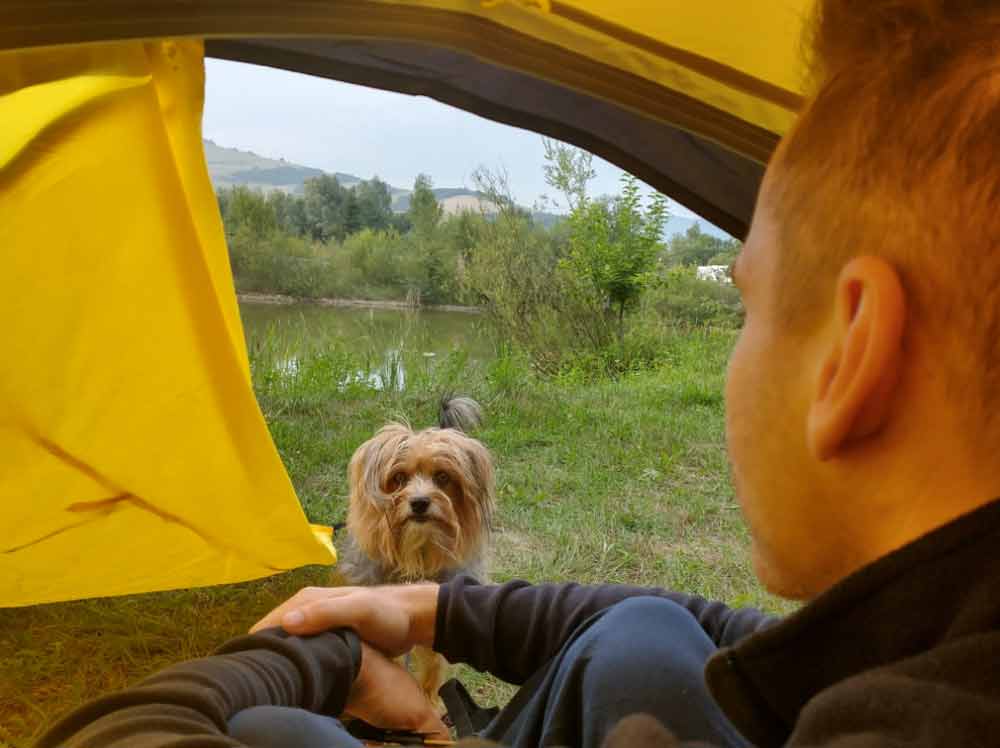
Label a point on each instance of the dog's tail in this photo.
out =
(460, 413)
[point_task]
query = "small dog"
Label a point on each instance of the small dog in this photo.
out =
(421, 507)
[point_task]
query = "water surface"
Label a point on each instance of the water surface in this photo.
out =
(381, 333)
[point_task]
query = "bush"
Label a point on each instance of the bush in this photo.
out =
(513, 273)
(680, 297)
(275, 263)
(561, 296)
(374, 264)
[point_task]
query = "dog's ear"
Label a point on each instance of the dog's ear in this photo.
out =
(481, 470)
(366, 470)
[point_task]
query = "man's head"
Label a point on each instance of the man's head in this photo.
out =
(862, 392)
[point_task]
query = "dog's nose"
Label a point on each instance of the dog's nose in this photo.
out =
(420, 504)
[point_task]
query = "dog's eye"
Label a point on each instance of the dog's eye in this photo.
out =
(442, 478)
(397, 481)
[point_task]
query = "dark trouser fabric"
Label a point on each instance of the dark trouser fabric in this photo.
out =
(285, 727)
(645, 654)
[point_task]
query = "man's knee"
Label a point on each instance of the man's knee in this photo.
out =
(646, 638)
(279, 727)
(638, 612)
(644, 655)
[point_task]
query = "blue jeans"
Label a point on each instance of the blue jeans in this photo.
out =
(285, 727)
(645, 654)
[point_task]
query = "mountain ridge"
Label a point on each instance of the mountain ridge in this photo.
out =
(230, 167)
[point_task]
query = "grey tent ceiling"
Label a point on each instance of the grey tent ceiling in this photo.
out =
(711, 180)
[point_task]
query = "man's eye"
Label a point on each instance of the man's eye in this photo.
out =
(442, 478)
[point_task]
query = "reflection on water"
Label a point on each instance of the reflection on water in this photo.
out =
(390, 376)
(382, 333)
(378, 381)
(442, 331)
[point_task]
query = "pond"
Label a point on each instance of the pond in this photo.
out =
(386, 333)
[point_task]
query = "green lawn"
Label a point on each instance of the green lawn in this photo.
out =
(599, 481)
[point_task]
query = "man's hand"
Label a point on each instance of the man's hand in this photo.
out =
(391, 619)
(386, 695)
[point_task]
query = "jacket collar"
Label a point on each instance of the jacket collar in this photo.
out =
(940, 587)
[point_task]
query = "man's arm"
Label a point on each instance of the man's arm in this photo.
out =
(508, 630)
(512, 629)
(193, 701)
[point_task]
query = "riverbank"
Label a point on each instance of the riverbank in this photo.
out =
(281, 300)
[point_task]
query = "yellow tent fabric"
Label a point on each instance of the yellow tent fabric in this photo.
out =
(135, 457)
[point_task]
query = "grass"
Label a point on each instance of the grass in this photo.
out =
(599, 481)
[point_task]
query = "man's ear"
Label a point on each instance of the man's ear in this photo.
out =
(862, 361)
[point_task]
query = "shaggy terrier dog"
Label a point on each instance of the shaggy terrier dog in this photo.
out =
(421, 506)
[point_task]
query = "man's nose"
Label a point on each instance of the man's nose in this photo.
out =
(420, 504)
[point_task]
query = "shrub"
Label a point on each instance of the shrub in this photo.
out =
(680, 297)
(613, 248)
(275, 263)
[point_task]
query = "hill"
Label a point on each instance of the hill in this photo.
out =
(680, 225)
(452, 200)
(229, 167)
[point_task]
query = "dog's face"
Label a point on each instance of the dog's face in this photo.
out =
(421, 502)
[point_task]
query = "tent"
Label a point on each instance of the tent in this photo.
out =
(135, 457)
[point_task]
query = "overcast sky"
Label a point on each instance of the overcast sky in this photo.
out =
(341, 127)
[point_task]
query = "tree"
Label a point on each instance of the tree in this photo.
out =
(327, 208)
(374, 204)
(295, 216)
(290, 212)
(400, 223)
(351, 222)
(498, 202)
(568, 170)
(614, 246)
(425, 212)
(462, 231)
(250, 223)
(509, 269)
(695, 247)
(249, 209)
(495, 185)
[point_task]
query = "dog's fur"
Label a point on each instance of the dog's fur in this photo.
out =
(421, 506)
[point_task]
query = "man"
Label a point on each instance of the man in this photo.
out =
(861, 402)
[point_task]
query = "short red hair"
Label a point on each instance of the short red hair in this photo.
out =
(897, 154)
